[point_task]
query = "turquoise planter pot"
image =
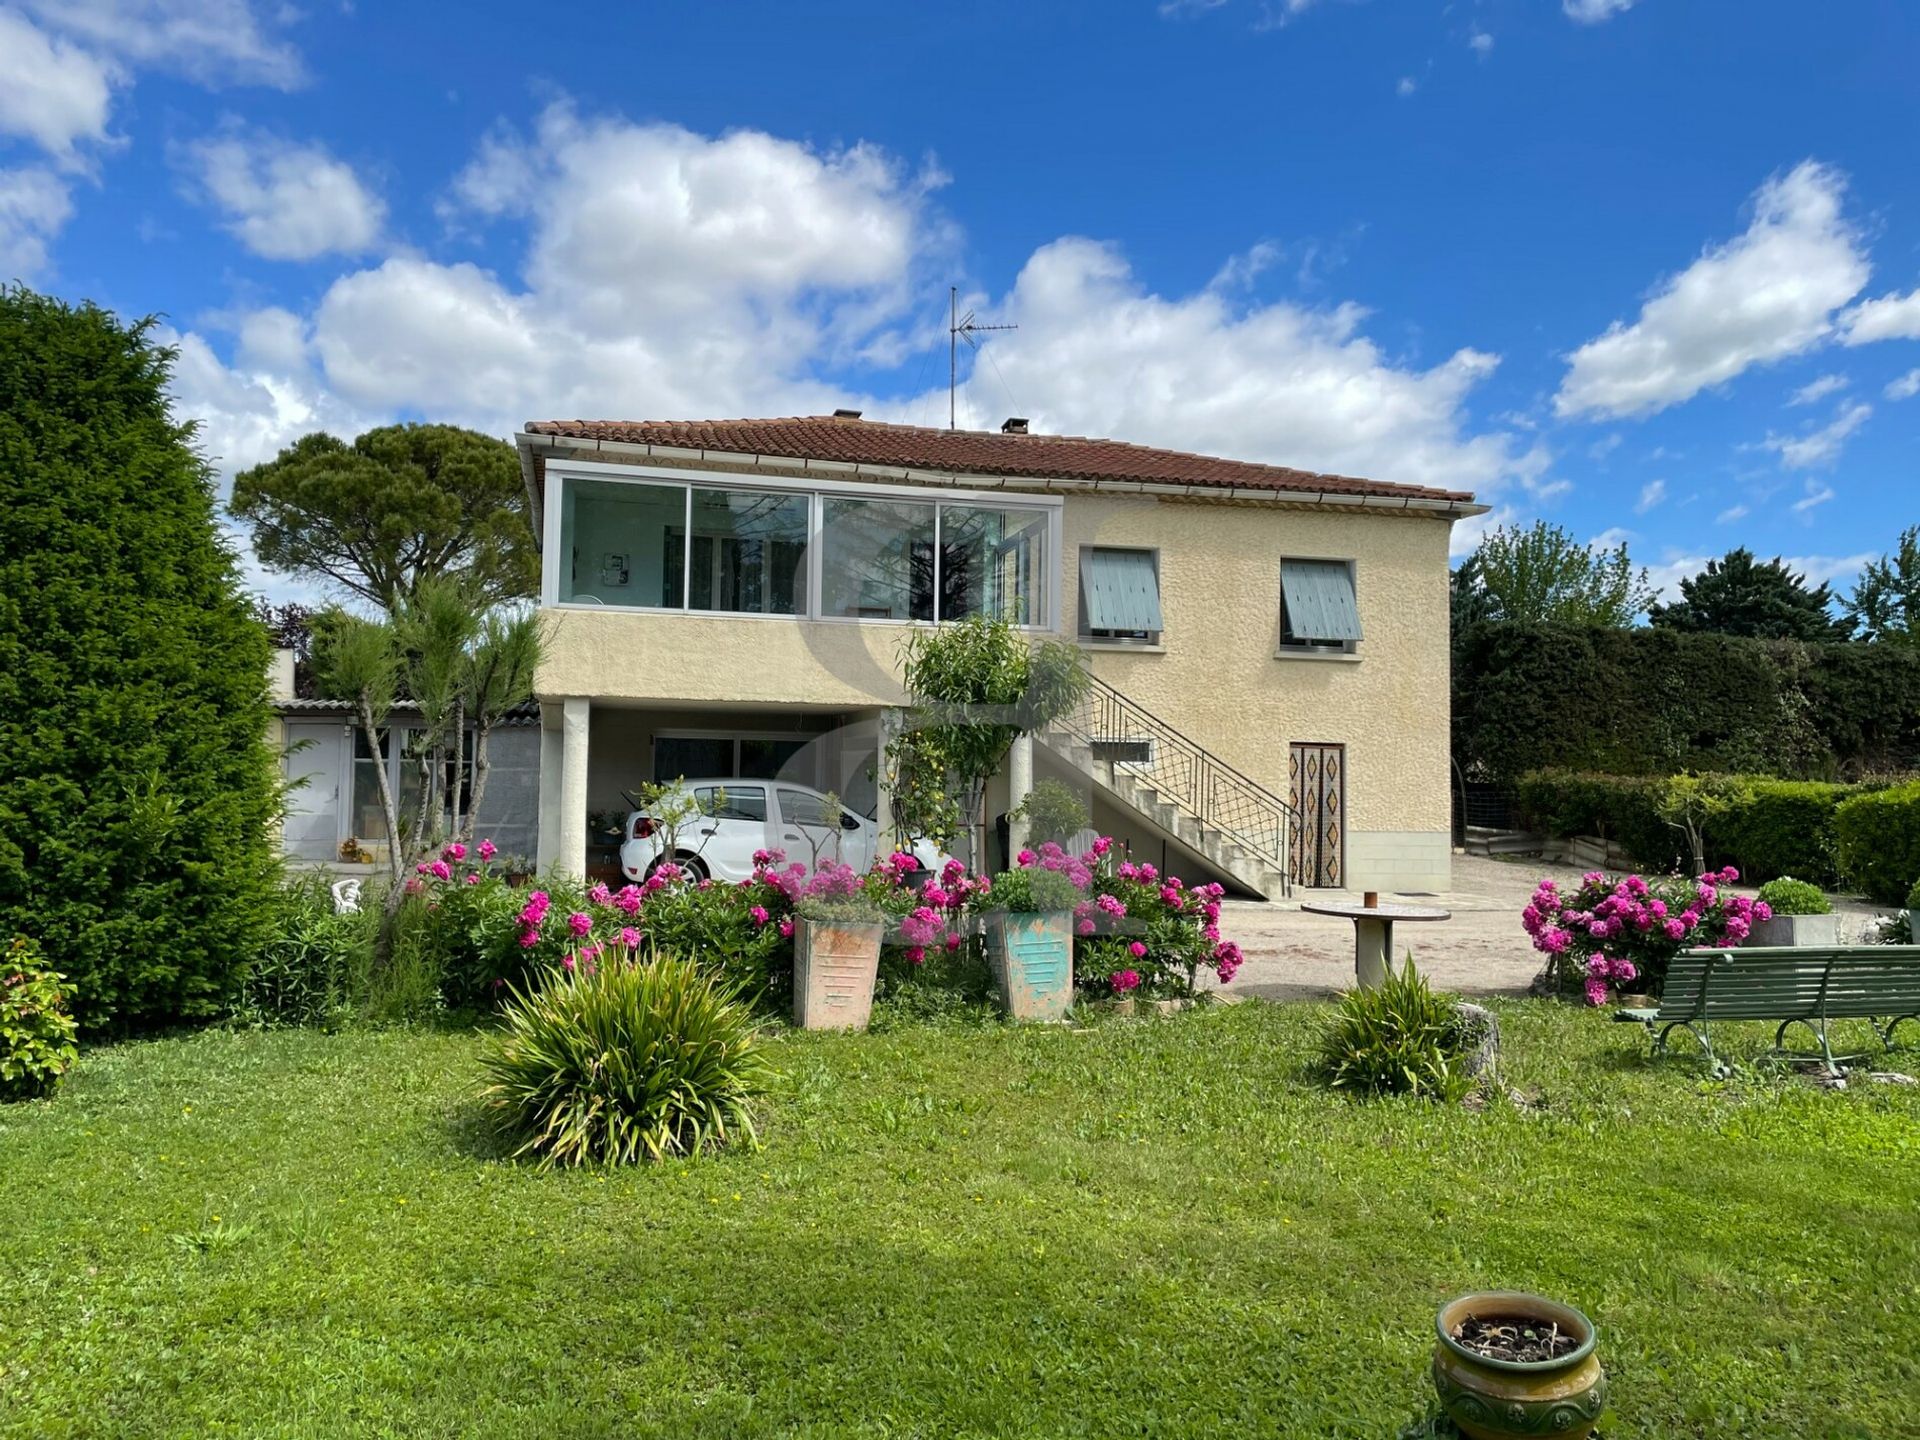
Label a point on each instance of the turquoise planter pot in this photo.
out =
(1032, 957)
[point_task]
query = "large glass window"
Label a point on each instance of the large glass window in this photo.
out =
(876, 559)
(749, 552)
(993, 563)
(623, 544)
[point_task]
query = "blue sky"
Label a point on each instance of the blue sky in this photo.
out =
(1648, 268)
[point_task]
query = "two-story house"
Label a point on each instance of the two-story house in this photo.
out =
(1269, 647)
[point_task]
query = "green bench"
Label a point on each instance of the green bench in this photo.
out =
(1804, 985)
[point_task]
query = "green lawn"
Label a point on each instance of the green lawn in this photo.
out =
(1151, 1228)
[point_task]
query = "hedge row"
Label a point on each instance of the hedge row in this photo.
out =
(1785, 827)
(1877, 838)
(1658, 702)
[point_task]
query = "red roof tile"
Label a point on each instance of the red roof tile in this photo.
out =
(977, 452)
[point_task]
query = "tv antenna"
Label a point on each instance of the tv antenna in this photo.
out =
(959, 329)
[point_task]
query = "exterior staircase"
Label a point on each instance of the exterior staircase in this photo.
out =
(1144, 764)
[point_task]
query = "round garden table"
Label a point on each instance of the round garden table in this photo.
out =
(1373, 933)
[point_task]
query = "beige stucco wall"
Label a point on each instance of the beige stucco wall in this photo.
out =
(1218, 676)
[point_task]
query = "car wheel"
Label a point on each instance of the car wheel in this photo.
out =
(693, 865)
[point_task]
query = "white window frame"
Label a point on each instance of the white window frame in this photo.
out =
(559, 472)
(1315, 649)
(1155, 640)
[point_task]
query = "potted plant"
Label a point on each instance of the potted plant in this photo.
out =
(1508, 1363)
(1030, 941)
(1802, 915)
(838, 923)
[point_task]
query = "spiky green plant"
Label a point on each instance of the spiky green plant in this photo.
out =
(633, 1058)
(1396, 1038)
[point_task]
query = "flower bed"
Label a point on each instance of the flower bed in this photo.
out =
(1624, 931)
(1137, 931)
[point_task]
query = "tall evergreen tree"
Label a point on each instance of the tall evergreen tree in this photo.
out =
(1765, 600)
(137, 790)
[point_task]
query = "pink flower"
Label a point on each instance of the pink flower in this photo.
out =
(1596, 991)
(473, 877)
(600, 894)
(440, 870)
(629, 937)
(1024, 858)
(1085, 927)
(1125, 980)
(759, 915)
(916, 955)
(566, 961)
(488, 850)
(1675, 930)
(455, 851)
(579, 922)
(786, 926)
(529, 939)
(421, 868)
(1102, 845)
(1137, 950)
(953, 943)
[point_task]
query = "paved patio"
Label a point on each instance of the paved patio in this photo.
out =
(1480, 951)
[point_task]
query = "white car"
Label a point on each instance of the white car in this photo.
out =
(734, 817)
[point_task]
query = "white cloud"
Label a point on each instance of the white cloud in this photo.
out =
(1815, 390)
(1769, 294)
(1816, 494)
(1592, 12)
(34, 204)
(51, 92)
(1731, 514)
(1891, 317)
(669, 274)
(1481, 43)
(209, 41)
(1611, 538)
(1665, 575)
(1407, 85)
(1904, 388)
(1819, 447)
(1818, 568)
(285, 201)
(1651, 494)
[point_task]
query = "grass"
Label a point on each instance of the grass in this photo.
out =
(1150, 1228)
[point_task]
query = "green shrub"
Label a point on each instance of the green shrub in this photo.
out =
(1913, 896)
(1054, 811)
(1620, 808)
(1787, 896)
(1032, 890)
(137, 791)
(1784, 827)
(305, 974)
(717, 926)
(1396, 1038)
(624, 1061)
(36, 1033)
(1878, 842)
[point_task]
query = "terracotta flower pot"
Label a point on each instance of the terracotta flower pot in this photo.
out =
(835, 964)
(1032, 958)
(1493, 1399)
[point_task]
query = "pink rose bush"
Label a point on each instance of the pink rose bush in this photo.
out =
(1609, 932)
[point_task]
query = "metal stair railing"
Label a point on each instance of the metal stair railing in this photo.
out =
(1194, 779)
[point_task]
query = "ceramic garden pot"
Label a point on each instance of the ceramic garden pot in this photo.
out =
(835, 964)
(1493, 1399)
(1032, 959)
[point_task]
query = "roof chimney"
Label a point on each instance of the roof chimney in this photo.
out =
(846, 414)
(1016, 425)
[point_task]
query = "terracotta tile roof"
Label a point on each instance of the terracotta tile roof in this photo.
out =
(977, 452)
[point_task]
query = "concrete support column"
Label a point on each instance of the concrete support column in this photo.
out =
(549, 838)
(1019, 787)
(576, 716)
(890, 722)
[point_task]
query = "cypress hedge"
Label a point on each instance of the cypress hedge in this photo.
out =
(137, 790)
(1878, 837)
(1659, 701)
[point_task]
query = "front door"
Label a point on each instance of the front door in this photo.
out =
(731, 825)
(316, 766)
(1317, 781)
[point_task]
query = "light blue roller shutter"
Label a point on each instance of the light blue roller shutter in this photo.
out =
(1120, 591)
(1320, 600)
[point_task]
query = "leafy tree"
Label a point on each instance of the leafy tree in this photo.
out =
(1468, 595)
(1764, 600)
(137, 790)
(499, 675)
(356, 659)
(401, 504)
(1885, 603)
(1542, 575)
